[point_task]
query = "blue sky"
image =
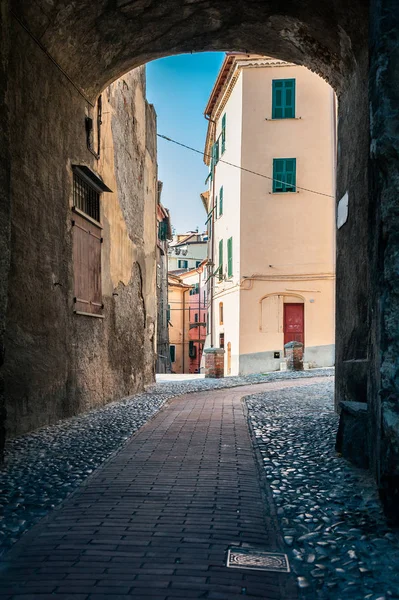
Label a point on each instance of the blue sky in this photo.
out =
(179, 87)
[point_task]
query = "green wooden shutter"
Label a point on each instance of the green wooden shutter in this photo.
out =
(216, 146)
(278, 175)
(289, 98)
(284, 175)
(221, 202)
(168, 314)
(283, 98)
(220, 260)
(290, 174)
(224, 133)
(230, 257)
(277, 100)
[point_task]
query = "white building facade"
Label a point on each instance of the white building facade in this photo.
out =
(270, 214)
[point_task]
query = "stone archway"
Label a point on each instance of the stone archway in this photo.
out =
(56, 57)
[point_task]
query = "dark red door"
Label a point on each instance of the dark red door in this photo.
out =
(293, 323)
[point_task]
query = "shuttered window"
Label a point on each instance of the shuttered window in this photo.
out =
(221, 201)
(182, 264)
(284, 175)
(87, 266)
(220, 260)
(223, 133)
(283, 100)
(230, 257)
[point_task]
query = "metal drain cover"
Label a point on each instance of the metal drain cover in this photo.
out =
(251, 558)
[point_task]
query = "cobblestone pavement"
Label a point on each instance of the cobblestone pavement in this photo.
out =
(156, 520)
(44, 467)
(334, 530)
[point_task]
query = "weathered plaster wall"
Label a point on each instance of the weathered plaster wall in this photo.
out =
(58, 363)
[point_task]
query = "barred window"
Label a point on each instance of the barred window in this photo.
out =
(86, 198)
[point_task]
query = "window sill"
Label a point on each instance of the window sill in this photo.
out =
(283, 119)
(284, 193)
(85, 314)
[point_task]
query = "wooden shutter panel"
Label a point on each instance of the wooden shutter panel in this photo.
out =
(87, 266)
(220, 259)
(230, 257)
(290, 174)
(278, 175)
(221, 202)
(277, 99)
(289, 98)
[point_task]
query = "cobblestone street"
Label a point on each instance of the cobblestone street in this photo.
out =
(156, 519)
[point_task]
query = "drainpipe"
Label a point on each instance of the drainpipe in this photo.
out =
(212, 240)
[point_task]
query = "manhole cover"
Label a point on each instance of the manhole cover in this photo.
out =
(250, 558)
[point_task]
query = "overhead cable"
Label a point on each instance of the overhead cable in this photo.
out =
(168, 139)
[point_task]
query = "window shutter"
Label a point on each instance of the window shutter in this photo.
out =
(224, 133)
(220, 260)
(289, 98)
(278, 175)
(290, 174)
(221, 202)
(284, 175)
(230, 257)
(283, 99)
(277, 100)
(87, 266)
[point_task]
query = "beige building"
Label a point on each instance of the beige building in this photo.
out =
(179, 324)
(272, 245)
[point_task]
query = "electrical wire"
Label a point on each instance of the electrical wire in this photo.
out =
(168, 139)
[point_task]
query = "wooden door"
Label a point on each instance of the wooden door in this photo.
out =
(294, 323)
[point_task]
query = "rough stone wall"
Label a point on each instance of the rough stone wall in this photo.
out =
(352, 267)
(57, 363)
(384, 250)
(5, 202)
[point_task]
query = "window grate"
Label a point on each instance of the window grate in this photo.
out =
(86, 198)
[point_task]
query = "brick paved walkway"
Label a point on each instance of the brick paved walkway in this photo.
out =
(156, 520)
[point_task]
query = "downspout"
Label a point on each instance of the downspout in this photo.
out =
(212, 241)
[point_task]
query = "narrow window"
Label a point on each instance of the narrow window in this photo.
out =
(230, 257)
(196, 318)
(197, 263)
(221, 202)
(220, 313)
(221, 340)
(172, 350)
(192, 349)
(284, 175)
(283, 99)
(224, 133)
(220, 260)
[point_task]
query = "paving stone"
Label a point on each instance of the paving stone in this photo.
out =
(180, 467)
